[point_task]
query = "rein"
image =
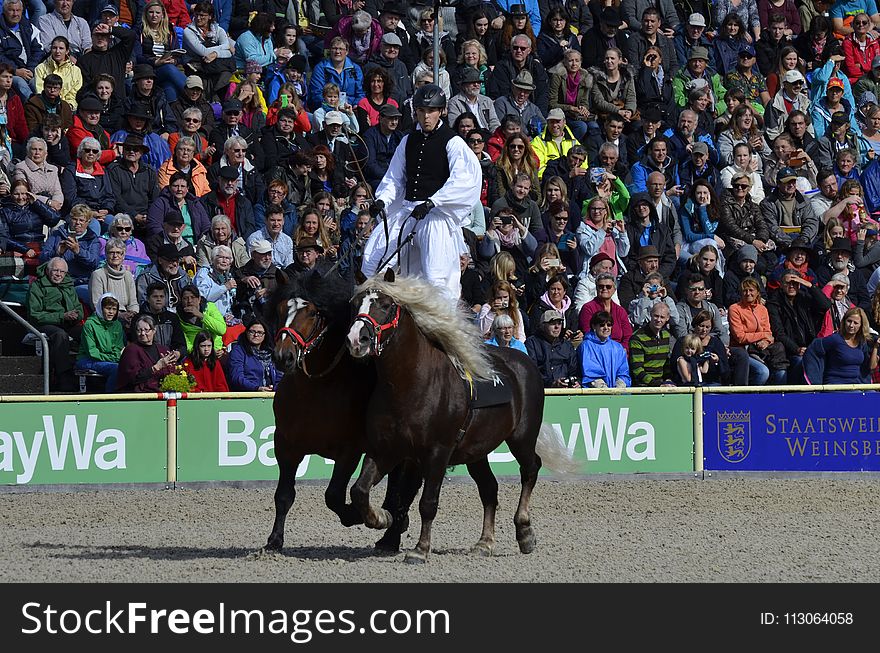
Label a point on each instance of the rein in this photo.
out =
(379, 330)
(307, 346)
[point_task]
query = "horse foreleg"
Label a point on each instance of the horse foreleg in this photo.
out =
(285, 495)
(487, 485)
(371, 474)
(334, 497)
(434, 469)
(529, 466)
(404, 482)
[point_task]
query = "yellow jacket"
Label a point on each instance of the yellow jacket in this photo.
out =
(70, 75)
(547, 150)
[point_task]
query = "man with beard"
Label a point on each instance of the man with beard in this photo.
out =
(785, 208)
(839, 261)
(255, 281)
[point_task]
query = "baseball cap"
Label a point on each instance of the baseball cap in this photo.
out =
(333, 118)
(194, 81)
(556, 114)
(261, 246)
(697, 20)
(232, 104)
(110, 9)
(835, 82)
(839, 118)
(392, 39)
(168, 251)
(550, 315)
(746, 51)
(389, 111)
(791, 76)
(700, 148)
(866, 98)
(785, 174)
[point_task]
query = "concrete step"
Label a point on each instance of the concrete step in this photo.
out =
(21, 384)
(10, 365)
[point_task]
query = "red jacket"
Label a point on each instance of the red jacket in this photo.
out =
(15, 120)
(177, 13)
(858, 61)
(495, 144)
(78, 132)
(207, 380)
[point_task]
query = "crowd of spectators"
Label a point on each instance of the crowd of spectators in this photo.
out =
(665, 198)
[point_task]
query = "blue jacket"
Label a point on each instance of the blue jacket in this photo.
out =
(24, 224)
(514, 344)
(244, 371)
(94, 191)
(223, 13)
(80, 266)
(11, 48)
(603, 360)
(350, 82)
(870, 180)
(380, 150)
(290, 216)
(692, 216)
(250, 46)
(159, 151)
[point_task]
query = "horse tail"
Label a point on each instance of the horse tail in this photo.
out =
(554, 454)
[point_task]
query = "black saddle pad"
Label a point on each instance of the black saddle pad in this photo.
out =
(495, 392)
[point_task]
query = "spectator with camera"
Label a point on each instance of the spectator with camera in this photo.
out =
(599, 232)
(649, 350)
(555, 356)
(653, 292)
(695, 302)
(719, 366)
(506, 233)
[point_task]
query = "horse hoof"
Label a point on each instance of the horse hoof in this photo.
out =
(350, 516)
(415, 557)
(482, 549)
(274, 545)
(527, 542)
(388, 544)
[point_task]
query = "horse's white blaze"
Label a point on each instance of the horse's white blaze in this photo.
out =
(354, 334)
(293, 306)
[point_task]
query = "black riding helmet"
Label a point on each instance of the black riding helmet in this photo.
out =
(429, 96)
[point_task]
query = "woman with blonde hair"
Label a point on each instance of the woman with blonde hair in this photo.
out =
(517, 156)
(312, 226)
(157, 40)
(472, 55)
(555, 189)
(848, 356)
(744, 127)
(570, 91)
(501, 301)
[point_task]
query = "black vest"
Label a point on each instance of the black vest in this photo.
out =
(427, 164)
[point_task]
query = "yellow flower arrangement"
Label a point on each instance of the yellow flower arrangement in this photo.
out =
(178, 381)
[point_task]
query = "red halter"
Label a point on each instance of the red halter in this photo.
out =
(379, 329)
(306, 346)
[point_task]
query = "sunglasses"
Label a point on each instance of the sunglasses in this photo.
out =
(741, 186)
(605, 287)
(475, 141)
(519, 47)
(192, 120)
(89, 150)
(123, 228)
(516, 147)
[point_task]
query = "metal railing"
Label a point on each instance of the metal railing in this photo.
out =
(32, 329)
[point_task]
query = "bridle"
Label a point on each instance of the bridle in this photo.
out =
(379, 331)
(305, 347)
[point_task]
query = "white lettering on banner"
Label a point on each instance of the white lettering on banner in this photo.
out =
(638, 447)
(244, 436)
(107, 456)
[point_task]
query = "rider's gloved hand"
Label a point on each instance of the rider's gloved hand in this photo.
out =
(422, 209)
(376, 208)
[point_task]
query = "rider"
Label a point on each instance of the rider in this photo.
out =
(430, 188)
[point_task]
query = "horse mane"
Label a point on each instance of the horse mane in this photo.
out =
(331, 294)
(439, 320)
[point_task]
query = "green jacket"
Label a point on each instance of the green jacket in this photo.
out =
(212, 323)
(683, 76)
(101, 340)
(47, 303)
(619, 200)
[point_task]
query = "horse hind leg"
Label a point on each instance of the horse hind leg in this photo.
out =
(529, 466)
(404, 482)
(487, 485)
(371, 473)
(285, 495)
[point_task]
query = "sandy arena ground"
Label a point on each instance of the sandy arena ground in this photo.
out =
(718, 530)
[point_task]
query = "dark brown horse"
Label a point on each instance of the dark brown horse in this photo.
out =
(420, 409)
(321, 403)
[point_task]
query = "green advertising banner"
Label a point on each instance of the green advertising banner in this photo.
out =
(231, 439)
(625, 434)
(89, 442)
